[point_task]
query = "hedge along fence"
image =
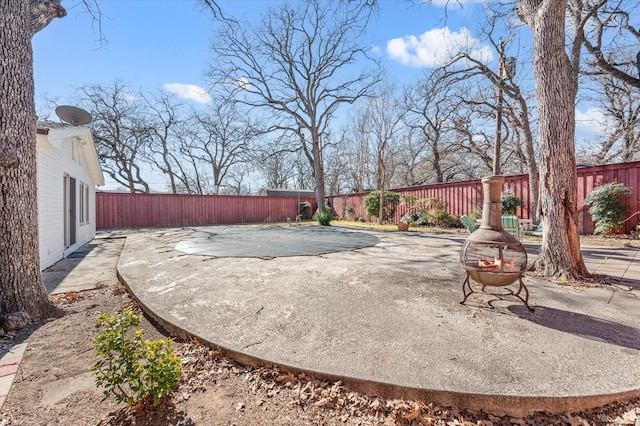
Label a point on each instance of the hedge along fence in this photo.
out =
(125, 210)
(462, 197)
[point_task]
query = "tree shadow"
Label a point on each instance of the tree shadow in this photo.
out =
(581, 325)
(625, 254)
(12, 339)
(610, 280)
(93, 251)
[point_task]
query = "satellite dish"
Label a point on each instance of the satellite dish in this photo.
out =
(73, 115)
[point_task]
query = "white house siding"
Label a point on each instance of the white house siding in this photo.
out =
(50, 209)
(55, 160)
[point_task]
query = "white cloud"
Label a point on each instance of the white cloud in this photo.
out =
(436, 47)
(188, 91)
(128, 97)
(242, 83)
(592, 124)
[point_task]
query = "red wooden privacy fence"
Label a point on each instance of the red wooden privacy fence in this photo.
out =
(462, 197)
(124, 210)
(114, 210)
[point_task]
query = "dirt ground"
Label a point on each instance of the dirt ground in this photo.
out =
(54, 386)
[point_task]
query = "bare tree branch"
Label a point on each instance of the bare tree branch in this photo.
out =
(297, 65)
(45, 11)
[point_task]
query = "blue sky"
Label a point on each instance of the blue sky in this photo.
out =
(165, 45)
(154, 43)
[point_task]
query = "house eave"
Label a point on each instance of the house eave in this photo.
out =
(52, 138)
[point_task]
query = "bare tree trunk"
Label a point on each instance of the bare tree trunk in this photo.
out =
(296, 65)
(560, 252)
(532, 164)
(21, 285)
(318, 168)
(435, 162)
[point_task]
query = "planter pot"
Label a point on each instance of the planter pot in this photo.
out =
(402, 226)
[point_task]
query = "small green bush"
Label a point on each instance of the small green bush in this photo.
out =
(132, 369)
(349, 211)
(408, 200)
(324, 217)
(407, 218)
(476, 213)
(432, 212)
(390, 203)
(510, 202)
(420, 221)
(607, 209)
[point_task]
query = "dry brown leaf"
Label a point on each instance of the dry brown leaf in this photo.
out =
(413, 415)
(325, 402)
(285, 377)
(630, 416)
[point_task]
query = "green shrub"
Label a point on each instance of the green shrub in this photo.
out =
(607, 209)
(390, 203)
(324, 217)
(452, 222)
(407, 218)
(510, 202)
(349, 211)
(132, 369)
(475, 214)
(432, 212)
(408, 200)
(420, 221)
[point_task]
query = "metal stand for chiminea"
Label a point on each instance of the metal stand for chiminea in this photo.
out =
(467, 291)
(490, 255)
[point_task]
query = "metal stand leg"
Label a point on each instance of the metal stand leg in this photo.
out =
(526, 292)
(466, 284)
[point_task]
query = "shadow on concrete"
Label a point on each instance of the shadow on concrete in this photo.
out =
(446, 239)
(8, 343)
(621, 254)
(85, 268)
(634, 284)
(613, 280)
(83, 251)
(585, 326)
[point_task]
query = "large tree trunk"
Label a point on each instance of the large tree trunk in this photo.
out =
(21, 285)
(560, 252)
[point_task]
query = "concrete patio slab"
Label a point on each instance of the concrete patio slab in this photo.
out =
(385, 319)
(85, 269)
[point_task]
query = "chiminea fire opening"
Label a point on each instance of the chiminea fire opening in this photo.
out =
(490, 255)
